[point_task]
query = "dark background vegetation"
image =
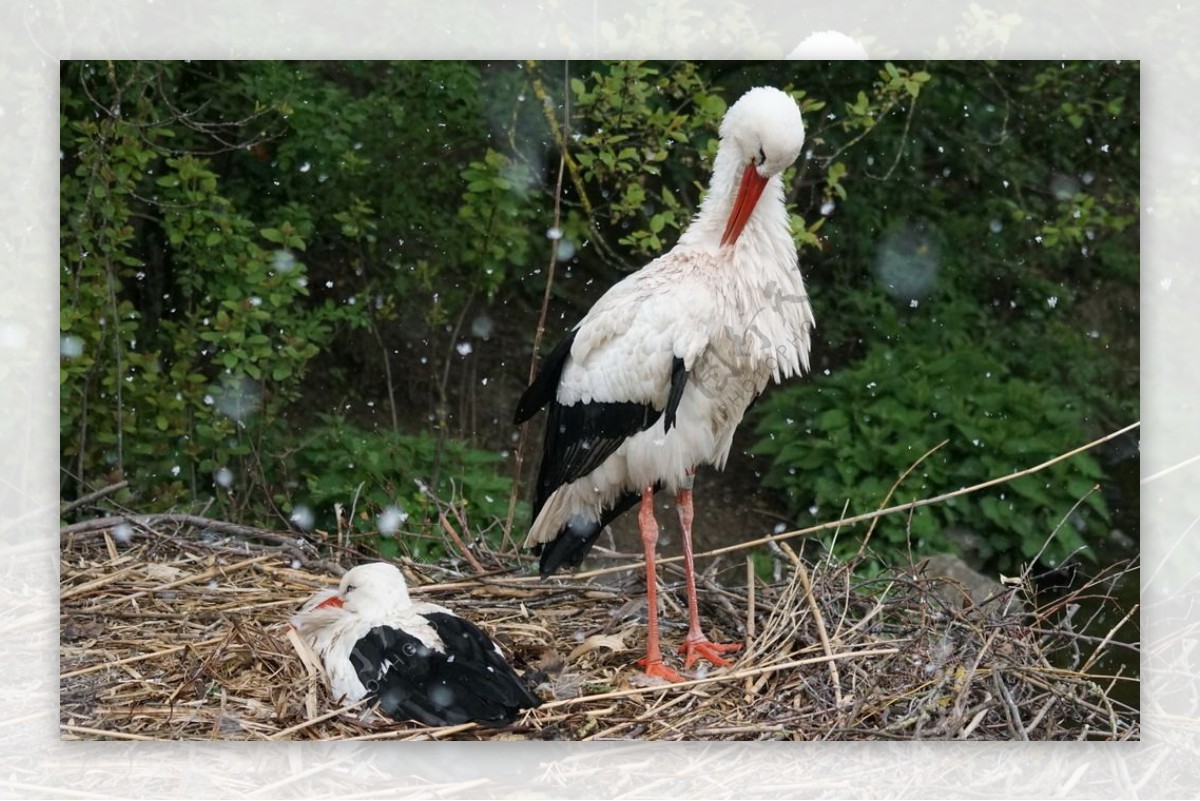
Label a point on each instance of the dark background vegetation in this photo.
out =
(305, 294)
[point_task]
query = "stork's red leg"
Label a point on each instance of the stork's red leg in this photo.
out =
(652, 663)
(695, 645)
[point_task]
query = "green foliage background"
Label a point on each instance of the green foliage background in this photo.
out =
(312, 287)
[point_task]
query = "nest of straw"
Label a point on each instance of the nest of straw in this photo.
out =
(175, 627)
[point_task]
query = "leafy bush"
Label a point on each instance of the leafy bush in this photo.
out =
(849, 436)
(247, 246)
(390, 487)
(979, 287)
(176, 362)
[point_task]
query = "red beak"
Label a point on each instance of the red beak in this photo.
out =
(747, 197)
(335, 601)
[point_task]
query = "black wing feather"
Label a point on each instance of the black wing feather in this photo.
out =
(581, 436)
(576, 538)
(545, 383)
(679, 378)
(468, 681)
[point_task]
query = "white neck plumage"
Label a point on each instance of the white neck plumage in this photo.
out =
(767, 221)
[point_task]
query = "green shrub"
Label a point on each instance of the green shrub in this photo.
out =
(177, 360)
(247, 246)
(847, 438)
(390, 487)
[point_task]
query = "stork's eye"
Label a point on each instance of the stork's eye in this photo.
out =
(350, 588)
(408, 648)
(762, 156)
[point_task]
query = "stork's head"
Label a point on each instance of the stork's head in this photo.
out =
(765, 129)
(371, 588)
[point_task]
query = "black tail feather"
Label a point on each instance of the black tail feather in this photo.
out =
(576, 538)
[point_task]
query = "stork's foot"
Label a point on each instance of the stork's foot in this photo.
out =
(694, 648)
(656, 667)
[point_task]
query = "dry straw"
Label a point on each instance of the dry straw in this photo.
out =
(180, 632)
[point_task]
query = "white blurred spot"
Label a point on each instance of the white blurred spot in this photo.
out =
(441, 695)
(1063, 187)
(482, 326)
(1052, 301)
(554, 233)
(123, 533)
(15, 336)
(238, 397)
(908, 261)
(302, 518)
(827, 208)
(391, 519)
(566, 250)
(223, 477)
(464, 348)
(283, 261)
(70, 346)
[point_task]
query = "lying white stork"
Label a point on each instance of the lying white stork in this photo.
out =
(655, 379)
(421, 661)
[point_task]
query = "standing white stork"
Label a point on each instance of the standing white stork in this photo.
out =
(657, 376)
(421, 661)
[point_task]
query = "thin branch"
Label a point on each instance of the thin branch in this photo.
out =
(904, 507)
(93, 496)
(563, 160)
(892, 491)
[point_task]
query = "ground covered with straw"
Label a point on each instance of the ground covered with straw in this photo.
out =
(175, 627)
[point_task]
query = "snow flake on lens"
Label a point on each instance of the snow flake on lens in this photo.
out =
(482, 326)
(283, 262)
(302, 517)
(123, 533)
(391, 519)
(70, 346)
(908, 260)
(237, 398)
